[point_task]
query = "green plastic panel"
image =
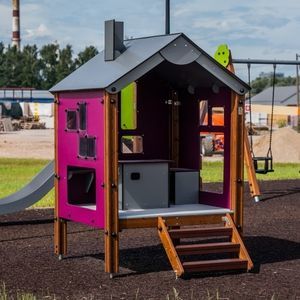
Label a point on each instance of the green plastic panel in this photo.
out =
(128, 107)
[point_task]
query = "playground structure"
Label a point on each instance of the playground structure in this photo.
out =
(115, 174)
(171, 215)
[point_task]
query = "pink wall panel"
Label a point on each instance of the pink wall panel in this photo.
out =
(68, 145)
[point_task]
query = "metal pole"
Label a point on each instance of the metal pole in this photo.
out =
(167, 16)
(266, 62)
(298, 94)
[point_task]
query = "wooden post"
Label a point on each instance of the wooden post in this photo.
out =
(252, 180)
(237, 158)
(111, 185)
(253, 184)
(60, 226)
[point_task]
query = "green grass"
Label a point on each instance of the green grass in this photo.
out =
(18, 296)
(15, 173)
(212, 172)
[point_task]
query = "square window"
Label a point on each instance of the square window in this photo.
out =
(87, 147)
(81, 186)
(71, 123)
(132, 144)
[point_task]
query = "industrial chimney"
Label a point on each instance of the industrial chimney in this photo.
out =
(16, 24)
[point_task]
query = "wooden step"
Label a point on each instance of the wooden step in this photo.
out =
(195, 249)
(215, 265)
(200, 232)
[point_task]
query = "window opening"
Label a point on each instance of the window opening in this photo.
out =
(82, 116)
(81, 186)
(132, 144)
(87, 147)
(212, 165)
(218, 116)
(203, 113)
(71, 120)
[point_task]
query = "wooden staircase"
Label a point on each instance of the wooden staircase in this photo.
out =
(178, 253)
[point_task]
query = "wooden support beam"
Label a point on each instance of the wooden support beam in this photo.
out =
(237, 154)
(60, 226)
(171, 221)
(236, 162)
(111, 184)
(236, 238)
(169, 247)
(253, 184)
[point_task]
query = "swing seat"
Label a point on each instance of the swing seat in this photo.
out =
(267, 164)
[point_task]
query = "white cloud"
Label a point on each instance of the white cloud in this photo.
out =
(256, 29)
(39, 32)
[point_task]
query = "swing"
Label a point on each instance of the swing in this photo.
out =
(265, 161)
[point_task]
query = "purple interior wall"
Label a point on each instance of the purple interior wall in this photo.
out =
(152, 120)
(68, 150)
(188, 131)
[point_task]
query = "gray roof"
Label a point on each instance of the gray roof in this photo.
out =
(141, 56)
(284, 95)
(25, 95)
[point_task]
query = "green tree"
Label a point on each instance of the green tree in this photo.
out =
(85, 55)
(65, 64)
(49, 61)
(261, 83)
(2, 66)
(30, 76)
(12, 67)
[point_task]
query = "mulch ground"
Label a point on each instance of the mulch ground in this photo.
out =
(272, 236)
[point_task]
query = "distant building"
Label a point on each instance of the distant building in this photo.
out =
(285, 106)
(32, 103)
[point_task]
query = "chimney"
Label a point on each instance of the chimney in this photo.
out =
(16, 24)
(113, 39)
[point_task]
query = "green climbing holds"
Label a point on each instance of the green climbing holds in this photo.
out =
(222, 55)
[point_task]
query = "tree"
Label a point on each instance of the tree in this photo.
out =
(30, 76)
(49, 61)
(39, 69)
(2, 62)
(65, 64)
(12, 67)
(261, 83)
(85, 55)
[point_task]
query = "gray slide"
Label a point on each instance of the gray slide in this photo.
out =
(35, 190)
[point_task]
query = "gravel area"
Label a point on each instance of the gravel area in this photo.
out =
(37, 144)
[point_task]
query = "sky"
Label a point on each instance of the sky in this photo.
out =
(258, 29)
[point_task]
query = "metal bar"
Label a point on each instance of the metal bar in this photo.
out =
(167, 16)
(265, 62)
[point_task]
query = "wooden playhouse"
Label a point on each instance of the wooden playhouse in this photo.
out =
(127, 149)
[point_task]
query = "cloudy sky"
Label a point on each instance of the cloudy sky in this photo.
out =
(264, 29)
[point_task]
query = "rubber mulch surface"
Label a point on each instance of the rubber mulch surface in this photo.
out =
(272, 236)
